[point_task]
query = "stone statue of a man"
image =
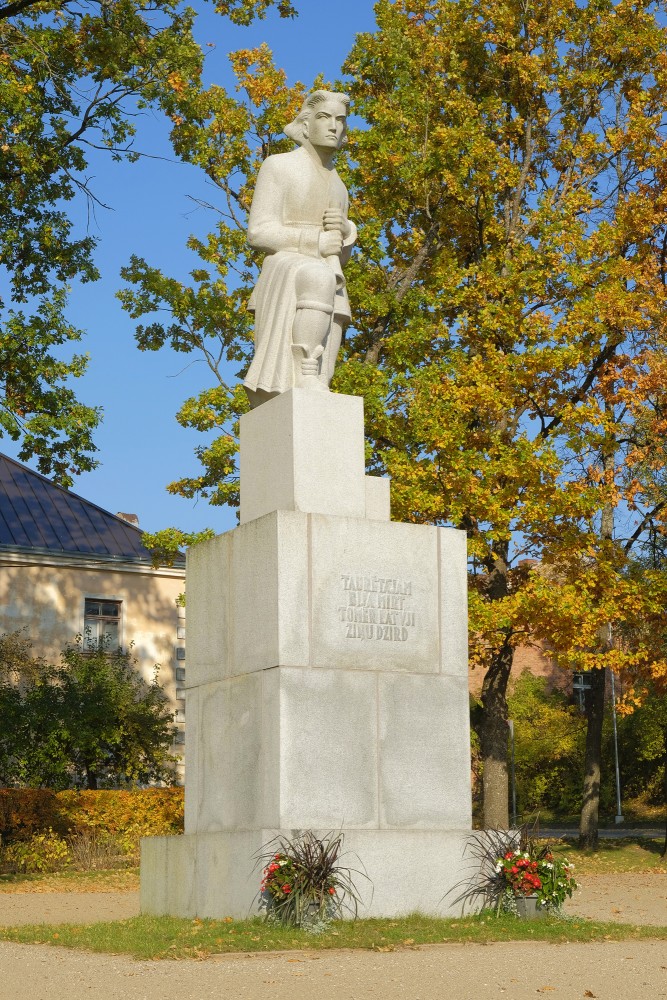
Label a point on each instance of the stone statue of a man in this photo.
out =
(299, 219)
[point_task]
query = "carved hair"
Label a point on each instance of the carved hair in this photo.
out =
(295, 129)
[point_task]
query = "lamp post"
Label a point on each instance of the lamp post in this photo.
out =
(512, 772)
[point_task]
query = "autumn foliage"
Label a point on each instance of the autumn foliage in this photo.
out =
(508, 293)
(126, 815)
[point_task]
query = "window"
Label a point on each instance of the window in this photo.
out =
(180, 653)
(180, 673)
(101, 623)
(179, 737)
(180, 694)
(581, 683)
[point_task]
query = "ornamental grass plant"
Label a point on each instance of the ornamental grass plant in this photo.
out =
(303, 882)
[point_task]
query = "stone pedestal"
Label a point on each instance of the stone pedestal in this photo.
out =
(327, 678)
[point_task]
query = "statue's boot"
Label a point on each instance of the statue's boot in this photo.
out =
(315, 286)
(309, 334)
(307, 368)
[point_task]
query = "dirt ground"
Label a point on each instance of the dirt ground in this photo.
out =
(632, 970)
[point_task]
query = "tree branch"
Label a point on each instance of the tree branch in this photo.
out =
(401, 281)
(579, 393)
(16, 8)
(642, 525)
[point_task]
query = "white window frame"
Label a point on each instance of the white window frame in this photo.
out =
(104, 599)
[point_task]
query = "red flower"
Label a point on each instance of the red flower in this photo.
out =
(332, 891)
(287, 889)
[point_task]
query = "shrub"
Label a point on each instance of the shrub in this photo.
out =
(124, 815)
(25, 811)
(549, 745)
(95, 850)
(43, 852)
(91, 720)
(127, 815)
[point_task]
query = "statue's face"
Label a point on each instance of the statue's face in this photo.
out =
(325, 126)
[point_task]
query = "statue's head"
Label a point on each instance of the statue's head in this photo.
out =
(322, 121)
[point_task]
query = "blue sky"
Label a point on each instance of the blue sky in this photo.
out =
(142, 447)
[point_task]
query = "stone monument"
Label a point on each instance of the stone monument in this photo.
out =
(299, 219)
(327, 681)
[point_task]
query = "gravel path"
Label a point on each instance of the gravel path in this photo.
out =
(608, 971)
(66, 907)
(633, 970)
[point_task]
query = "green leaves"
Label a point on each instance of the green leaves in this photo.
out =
(88, 720)
(167, 545)
(208, 318)
(37, 405)
(243, 11)
(71, 79)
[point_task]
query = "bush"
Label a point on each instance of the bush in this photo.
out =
(549, 747)
(124, 816)
(94, 850)
(90, 721)
(25, 811)
(43, 852)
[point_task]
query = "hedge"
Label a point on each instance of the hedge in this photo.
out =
(126, 815)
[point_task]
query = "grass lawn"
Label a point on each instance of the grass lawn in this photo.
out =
(630, 854)
(171, 937)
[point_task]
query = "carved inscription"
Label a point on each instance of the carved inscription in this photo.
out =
(376, 607)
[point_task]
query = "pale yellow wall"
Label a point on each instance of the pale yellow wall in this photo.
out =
(48, 597)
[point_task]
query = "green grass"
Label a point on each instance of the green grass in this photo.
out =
(630, 854)
(171, 937)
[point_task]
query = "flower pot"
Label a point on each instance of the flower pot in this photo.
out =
(527, 907)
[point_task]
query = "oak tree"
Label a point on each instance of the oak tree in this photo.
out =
(73, 77)
(508, 297)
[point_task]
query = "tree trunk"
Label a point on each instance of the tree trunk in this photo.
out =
(590, 807)
(594, 697)
(494, 733)
(664, 846)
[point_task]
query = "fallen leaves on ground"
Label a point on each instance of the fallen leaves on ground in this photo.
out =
(113, 881)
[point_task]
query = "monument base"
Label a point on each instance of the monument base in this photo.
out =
(408, 872)
(327, 680)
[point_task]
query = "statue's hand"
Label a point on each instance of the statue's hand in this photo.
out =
(331, 243)
(335, 220)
